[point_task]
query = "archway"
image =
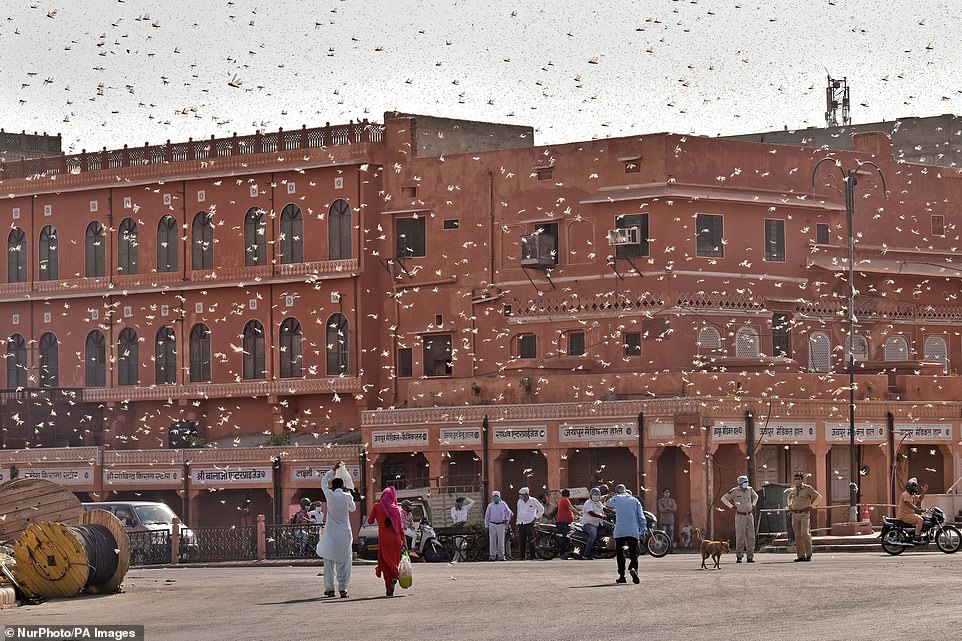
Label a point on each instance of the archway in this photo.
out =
(930, 464)
(591, 466)
(463, 470)
(405, 471)
(728, 463)
(232, 507)
(522, 468)
(673, 474)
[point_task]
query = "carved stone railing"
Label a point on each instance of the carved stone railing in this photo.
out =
(89, 455)
(320, 267)
(259, 142)
(345, 385)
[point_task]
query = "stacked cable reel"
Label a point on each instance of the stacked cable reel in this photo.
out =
(60, 550)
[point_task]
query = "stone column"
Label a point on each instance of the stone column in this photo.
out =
(823, 518)
(557, 468)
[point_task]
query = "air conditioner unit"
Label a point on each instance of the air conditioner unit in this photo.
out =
(538, 250)
(624, 236)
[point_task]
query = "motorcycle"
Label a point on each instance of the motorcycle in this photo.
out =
(897, 536)
(426, 544)
(548, 541)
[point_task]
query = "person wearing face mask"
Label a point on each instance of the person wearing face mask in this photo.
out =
(666, 514)
(496, 519)
(742, 498)
(801, 499)
(593, 520)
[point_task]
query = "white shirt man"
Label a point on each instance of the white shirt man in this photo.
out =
(459, 513)
(529, 510)
(338, 538)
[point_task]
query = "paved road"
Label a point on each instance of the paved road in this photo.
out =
(837, 596)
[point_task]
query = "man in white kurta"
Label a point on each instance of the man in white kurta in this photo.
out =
(338, 538)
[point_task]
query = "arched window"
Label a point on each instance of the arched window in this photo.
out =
(16, 256)
(819, 352)
(95, 250)
(896, 349)
(859, 349)
(199, 353)
(16, 362)
(338, 345)
(165, 356)
(127, 247)
(49, 361)
(255, 237)
(128, 358)
(95, 360)
(167, 240)
(936, 351)
(527, 346)
(254, 363)
(291, 355)
(746, 343)
(49, 262)
(339, 226)
(292, 235)
(709, 338)
(202, 238)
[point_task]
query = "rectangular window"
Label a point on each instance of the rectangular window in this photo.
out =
(550, 230)
(405, 362)
(409, 192)
(633, 220)
(632, 343)
(709, 230)
(938, 225)
(821, 234)
(632, 166)
(774, 240)
(576, 343)
(409, 237)
(781, 335)
(528, 346)
(544, 173)
(438, 356)
(452, 223)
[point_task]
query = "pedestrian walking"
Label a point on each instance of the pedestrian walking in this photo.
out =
(801, 499)
(592, 520)
(563, 521)
(630, 527)
(338, 539)
(459, 513)
(529, 510)
(742, 498)
(666, 514)
(497, 516)
(390, 538)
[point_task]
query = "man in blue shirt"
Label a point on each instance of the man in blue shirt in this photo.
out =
(630, 526)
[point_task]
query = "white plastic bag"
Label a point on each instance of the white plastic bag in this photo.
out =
(345, 475)
(405, 571)
(320, 544)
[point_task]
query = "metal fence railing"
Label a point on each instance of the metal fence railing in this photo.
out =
(292, 541)
(236, 543)
(149, 548)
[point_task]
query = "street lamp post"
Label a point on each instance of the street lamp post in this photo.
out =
(850, 177)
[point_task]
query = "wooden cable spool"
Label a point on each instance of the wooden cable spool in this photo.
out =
(112, 523)
(57, 560)
(26, 501)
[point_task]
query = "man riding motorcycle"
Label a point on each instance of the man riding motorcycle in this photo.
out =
(908, 511)
(593, 519)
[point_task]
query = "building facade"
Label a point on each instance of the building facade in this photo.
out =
(663, 311)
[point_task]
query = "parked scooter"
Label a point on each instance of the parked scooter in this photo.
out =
(897, 536)
(426, 544)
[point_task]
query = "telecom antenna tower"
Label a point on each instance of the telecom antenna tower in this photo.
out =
(836, 97)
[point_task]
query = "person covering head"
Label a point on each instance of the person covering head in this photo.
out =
(524, 491)
(305, 503)
(912, 486)
(389, 503)
(496, 497)
(596, 491)
(406, 505)
(742, 481)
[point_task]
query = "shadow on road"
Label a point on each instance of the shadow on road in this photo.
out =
(599, 585)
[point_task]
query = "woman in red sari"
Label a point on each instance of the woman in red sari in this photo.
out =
(390, 538)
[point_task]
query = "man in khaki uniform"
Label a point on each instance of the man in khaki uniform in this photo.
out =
(801, 499)
(742, 498)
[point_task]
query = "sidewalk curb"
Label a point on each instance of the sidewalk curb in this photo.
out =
(267, 563)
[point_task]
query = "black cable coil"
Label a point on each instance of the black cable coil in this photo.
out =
(101, 547)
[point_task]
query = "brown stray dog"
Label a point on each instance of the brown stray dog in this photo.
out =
(713, 549)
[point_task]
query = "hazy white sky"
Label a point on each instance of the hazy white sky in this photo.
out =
(109, 72)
